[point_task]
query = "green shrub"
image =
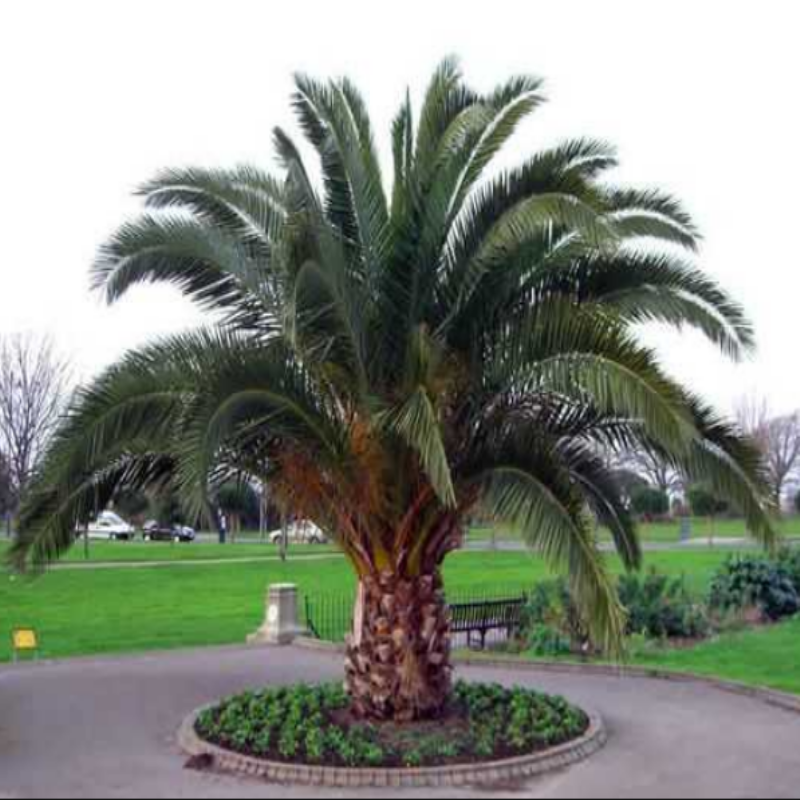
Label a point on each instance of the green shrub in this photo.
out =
(551, 606)
(789, 562)
(749, 582)
(658, 607)
(662, 608)
(547, 642)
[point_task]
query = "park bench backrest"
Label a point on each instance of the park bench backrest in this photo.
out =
(487, 616)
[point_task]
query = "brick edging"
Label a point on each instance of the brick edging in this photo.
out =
(493, 773)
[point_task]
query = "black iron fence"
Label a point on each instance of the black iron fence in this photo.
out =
(329, 617)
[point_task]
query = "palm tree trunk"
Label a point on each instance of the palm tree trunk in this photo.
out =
(398, 657)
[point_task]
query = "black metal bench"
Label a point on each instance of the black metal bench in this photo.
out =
(484, 617)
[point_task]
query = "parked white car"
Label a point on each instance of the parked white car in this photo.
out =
(110, 527)
(300, 533)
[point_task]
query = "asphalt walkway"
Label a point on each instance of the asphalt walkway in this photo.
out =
(106, 728)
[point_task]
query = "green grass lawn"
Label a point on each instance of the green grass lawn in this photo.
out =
(763, 657)
(766, 657)
(132, 610)
(106, 611)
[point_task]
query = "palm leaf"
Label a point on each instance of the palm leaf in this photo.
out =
(206, 264)
(561, 531)
(416, 422)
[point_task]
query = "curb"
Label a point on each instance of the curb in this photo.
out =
(772, 697)
(492, 773)
(781, 700)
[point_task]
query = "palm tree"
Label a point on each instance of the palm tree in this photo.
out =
(391, 365)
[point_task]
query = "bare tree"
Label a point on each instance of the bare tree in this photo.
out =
(779, 440)
(783, 452)
(6, 494)
(753, 415)
(655, 470)
(34, 385)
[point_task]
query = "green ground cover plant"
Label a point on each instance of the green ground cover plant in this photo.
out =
(312, 725)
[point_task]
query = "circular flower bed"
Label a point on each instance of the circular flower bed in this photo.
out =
(313, 726)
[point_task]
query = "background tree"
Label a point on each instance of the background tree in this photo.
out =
(654, 469)
(463, 343)
(34, 387)
(6, 494)
(650, 502)
(782, 452)
(133, 505)
(779, 440)
(240, 503)
(167, 508)
(797, 503)
(705, 503)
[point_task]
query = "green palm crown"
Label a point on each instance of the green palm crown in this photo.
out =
(392, 363)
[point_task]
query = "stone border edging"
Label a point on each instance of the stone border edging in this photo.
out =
(772, 697)
(490, 773)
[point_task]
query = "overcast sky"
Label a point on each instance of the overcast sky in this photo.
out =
(700, 97)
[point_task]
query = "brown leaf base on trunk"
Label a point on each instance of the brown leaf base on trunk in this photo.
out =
(398, 657)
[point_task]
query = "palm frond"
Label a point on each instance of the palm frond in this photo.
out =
(54, 513)
(335, 122)
(732, 466)
(523, 224)
(653, 202)
(556, 525)
(327, 329)
(211, 267)
(445, 99)
(403, 156)
(511, 104)
(662, 288)
(417, 423)
(603, 492)
(244, 201)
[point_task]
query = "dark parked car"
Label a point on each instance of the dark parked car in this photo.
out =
(154, 532)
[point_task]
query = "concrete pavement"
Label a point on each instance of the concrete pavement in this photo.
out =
(106, 728)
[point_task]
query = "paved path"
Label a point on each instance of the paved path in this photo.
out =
(106, 728)
(77, 566)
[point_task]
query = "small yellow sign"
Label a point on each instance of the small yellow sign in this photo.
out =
(25, 640)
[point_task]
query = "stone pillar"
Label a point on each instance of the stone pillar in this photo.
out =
(282, 624)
